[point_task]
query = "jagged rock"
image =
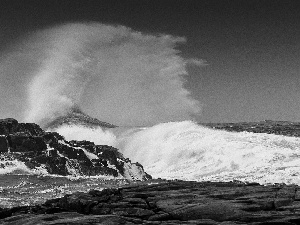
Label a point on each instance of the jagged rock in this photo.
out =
(52, 138)
(50, 152)
(11, 126)
(3, 144)
(8, 126)
(172, 202)
(20, 142)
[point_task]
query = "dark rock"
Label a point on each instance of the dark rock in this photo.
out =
(3, 144)
(31, 129)
(78, 202)
(215, 210)
(160, 217)
(182, 203)
(8, 126)
(28, 143)
(133, 212)
(100, 210)
(52, 138)
(68, 218)
(5, 213)
(23, 143)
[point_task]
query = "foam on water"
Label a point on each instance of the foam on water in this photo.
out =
(185, 150)
(80, 133)
(14, 167)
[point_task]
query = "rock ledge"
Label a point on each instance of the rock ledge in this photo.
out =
(167, 202)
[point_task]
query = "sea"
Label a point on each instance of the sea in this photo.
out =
(175, 150)
(125, 77)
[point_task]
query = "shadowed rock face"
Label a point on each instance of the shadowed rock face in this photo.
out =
(28, 143)
(167, 202)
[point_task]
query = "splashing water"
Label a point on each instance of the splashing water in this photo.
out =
(185, 150)
(112, 73)
(128, 78)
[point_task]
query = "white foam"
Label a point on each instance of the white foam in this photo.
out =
(14, 167)
(184, 150)
(97, 135)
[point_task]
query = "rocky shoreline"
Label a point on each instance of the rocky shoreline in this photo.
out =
(49, 153)
(167, 202)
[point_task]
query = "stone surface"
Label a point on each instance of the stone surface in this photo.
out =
(50, 152)
(165, 203)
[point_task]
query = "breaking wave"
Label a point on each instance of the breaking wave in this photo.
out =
(185, 150)
(129, 78)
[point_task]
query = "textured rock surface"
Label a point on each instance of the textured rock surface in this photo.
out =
(49, 151)
(168, 202)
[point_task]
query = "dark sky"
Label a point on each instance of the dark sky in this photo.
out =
(252, 48)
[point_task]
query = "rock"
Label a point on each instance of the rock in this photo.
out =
(100, 210)
(49, 151)
(133, 212)
(8, 126)
(213, 210)
(66, 218)
(20, 142)
(3, 144)
(160, 217)
(5, 213)
(78, 202)
(165, 203)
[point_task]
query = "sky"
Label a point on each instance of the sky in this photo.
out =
(251, 48)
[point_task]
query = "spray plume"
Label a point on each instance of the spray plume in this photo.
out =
(112, 73)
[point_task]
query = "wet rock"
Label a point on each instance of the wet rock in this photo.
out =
(162, 216)
(133, 212)
(3, 144)
(167, 202)
(79, 202)
(51, 153)
(8, 126)
(214, 210)
(67, 218)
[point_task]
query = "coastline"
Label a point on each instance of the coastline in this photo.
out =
(167, 202)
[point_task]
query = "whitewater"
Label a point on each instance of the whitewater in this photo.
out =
(136, 81)
(185, 150)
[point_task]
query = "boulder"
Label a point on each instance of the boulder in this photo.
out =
(8, 126)
(3, 144)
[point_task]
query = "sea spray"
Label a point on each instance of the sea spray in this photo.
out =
(98, 135)
(112, 73)
(185, 150)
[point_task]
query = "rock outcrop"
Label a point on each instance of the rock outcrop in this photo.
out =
(168, 202)
(50, 152)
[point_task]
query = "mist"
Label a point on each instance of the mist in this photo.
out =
(112, 73)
